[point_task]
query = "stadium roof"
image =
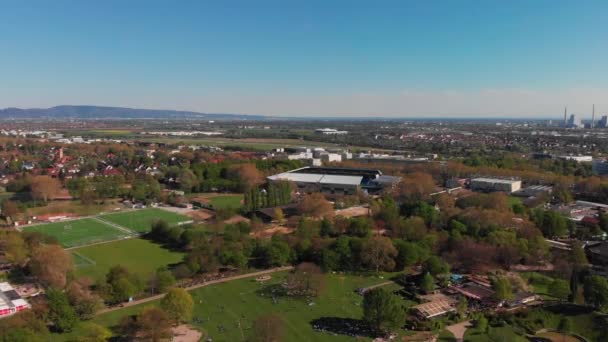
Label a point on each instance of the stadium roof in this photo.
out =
(495, 180)
(317, 178)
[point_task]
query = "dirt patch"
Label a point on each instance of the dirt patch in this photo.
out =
(201, 214)
(185, 333)
(236, 219)
(269, 232)
(353, 212)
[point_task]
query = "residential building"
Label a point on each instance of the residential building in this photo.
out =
(10, 301)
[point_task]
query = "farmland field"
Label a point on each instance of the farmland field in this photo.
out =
(140, 220)
(137, 255)
(241, 301)
(79, 232)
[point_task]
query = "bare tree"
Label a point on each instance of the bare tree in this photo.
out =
(51, 264)
(315, 205)
(379, 253)
(44, 187)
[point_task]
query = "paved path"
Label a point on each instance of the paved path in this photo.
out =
(459, 329)
(211, 282)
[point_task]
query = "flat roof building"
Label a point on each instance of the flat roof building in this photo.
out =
(495, 184)
(336, 181)
(10, 301)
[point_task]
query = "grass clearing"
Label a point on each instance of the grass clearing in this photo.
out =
(78, 232)
(139, 256)
(240, 301)
(140, 221)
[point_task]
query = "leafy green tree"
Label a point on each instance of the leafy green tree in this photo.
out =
(502, 288)
(61, 313)
(481, 323)
(427, 284)
(596, 292)
(565, 324)
(435, 266)
(92, 332)
(162, 280)
(178, 304)
(382, 311)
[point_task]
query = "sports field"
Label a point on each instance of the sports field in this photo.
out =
(137, 255)
(220, 308)
(140, 221)
(79, 232)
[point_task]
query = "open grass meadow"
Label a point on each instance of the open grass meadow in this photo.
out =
(226, 311)
(79, 232)
(138, 255)
(140, 221)
(226, 201)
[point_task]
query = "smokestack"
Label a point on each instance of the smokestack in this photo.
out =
(593, 117)
(565, 116)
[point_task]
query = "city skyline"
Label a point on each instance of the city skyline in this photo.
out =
(350, 59)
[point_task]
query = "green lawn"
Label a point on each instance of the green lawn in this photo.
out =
(79, 232)
(140, 221)
(226, 304)
(137, 255)
(226, 201)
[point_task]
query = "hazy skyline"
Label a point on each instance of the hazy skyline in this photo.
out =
(317, 58)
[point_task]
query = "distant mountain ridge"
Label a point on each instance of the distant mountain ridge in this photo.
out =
(102, 112)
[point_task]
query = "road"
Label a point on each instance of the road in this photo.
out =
(193, 287)
(459, 329)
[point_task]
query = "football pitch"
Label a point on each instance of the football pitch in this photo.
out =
(140, 221)
(139, 256)
(79, 232)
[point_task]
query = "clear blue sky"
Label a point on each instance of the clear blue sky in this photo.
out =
(391, 58)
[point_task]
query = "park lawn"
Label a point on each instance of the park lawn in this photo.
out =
(228, 303)
(139, 256)
(505, 333)
(140, 221)
(79, 232)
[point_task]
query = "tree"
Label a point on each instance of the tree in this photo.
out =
(481, 323)
(249, 175)
(436, 266)
(153, 324)
(85, 303)
(462, 307)
(596, 292)
(416, 186)
(178, 305)
(61, 313)
(268, 328)
(315, 205)
(92, 332)
(559, 289)
(44, 187)
(279, 215)
(14, 247)
(427, 284)
(378, 253)
(381, 310)
(51, 264)
(306, 280)
(578, 258)
(502, 288)
(9, 210)
(161, 280)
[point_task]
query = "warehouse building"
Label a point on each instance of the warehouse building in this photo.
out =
(495, 184)
(10, 301)
(337, 181)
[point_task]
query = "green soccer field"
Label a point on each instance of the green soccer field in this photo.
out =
(79, 232)
(140, 221)
(139, 256)
(237, 301)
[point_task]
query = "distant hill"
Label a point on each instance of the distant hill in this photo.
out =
(99, 112)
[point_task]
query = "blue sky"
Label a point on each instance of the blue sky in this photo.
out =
(348, 58)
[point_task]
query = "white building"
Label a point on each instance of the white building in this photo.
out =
(329, 131)
(10, 301)
(578, 159)
(495, 184)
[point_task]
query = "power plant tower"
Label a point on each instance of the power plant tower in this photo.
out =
(565, 116)
(593, 117)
